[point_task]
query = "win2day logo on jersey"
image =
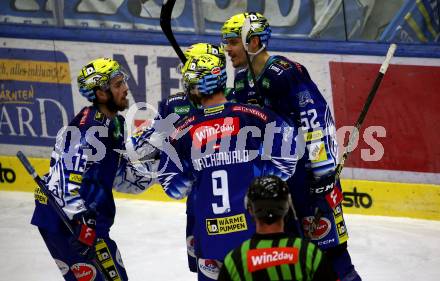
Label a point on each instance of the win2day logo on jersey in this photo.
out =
(213, 130)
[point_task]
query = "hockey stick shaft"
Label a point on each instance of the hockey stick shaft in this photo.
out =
(30, 169)
(165, 25)
(354, 134)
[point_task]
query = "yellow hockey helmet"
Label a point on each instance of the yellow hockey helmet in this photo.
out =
(206, 73)
(97, 74)
(259, 27)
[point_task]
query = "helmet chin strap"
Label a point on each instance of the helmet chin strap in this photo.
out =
(252, 55)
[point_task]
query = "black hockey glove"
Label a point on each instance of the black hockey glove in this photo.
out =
(326, 194)
(84, 224)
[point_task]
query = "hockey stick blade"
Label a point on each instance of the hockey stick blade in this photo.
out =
(165, 24)
(30, 169)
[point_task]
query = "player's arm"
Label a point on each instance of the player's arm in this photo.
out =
(174, 169)
(69, 164)
(138, 166)
(300, 100)
(279, 147)
(321, 144)
(73, 182)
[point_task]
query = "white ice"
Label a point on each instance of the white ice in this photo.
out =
(150, 236)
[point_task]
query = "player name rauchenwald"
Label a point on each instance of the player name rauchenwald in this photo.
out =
(222, 158)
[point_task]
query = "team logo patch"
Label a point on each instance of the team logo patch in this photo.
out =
(182, 110)
(216, 70)
(315, 135)
(239, 85)
(226, 224)
(276, 69)
(252, 111)
(317, 152)
(251, 82)
(190, 246)
(305, 98)
(284, 64)
(258, 259)
(213, 110)
(84, 117)
(322, 229)
(63, 267)
(40, 196)
(185, 123)
(119, 258)
(77, 178)
(266, 83)
(84, 271)
(213, 130)
(334, 198)
(210, 268)
(99, 117)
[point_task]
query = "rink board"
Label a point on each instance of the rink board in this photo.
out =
(401, 123)
(360, 197)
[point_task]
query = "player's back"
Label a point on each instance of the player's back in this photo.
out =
(221, 154)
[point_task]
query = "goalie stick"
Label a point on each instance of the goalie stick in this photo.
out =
(355, 132)
(165, 24)
(41, 184)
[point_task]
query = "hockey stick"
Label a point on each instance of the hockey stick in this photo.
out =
(355, 132)
(165, 24)
(244, 32)
(30, 169)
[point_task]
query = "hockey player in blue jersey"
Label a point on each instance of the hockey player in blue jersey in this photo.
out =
(286, 87)
(151, 139)
(82, 170)
(220, 150)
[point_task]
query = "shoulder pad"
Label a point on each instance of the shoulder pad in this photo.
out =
(90, 116)
(285, 62)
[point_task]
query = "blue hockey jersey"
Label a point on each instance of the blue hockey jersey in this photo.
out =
(286, 88)
(221, 149)
(82, 170)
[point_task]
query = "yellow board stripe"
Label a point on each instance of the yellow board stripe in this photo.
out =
(391, 199)
(35, 71)
(413, 200)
